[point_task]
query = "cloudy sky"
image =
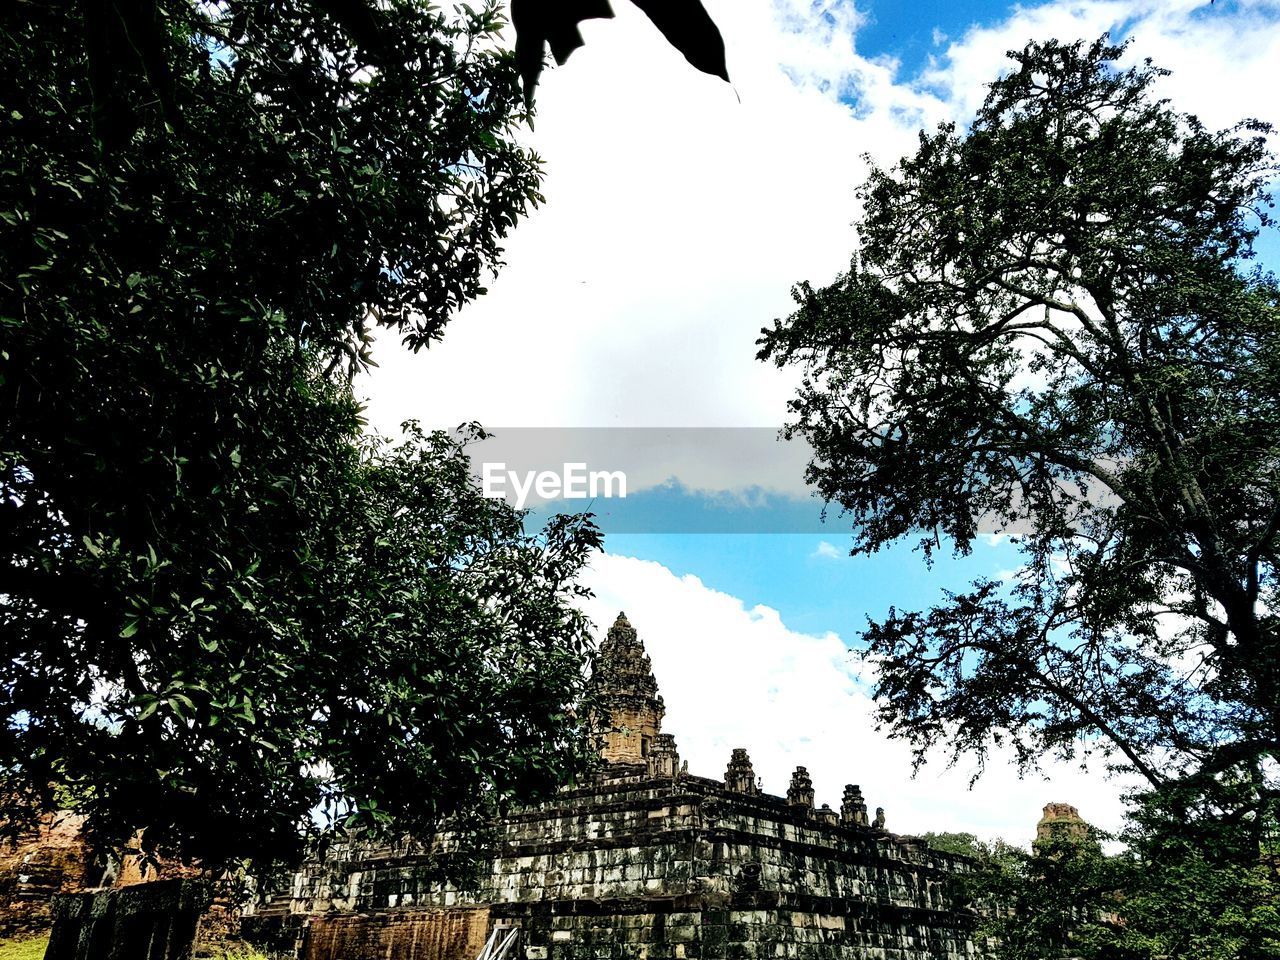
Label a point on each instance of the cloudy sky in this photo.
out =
(680, 210)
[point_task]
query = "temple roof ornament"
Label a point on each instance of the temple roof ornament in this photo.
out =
(664, 757)
(853, 808)
(1061, 821)
(623, 668)
(800, 793)
(740, 777)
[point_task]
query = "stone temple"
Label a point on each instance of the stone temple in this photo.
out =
(647, 861)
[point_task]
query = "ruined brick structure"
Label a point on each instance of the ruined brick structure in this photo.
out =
(53, 858)
(650, 862)
(1061, 821)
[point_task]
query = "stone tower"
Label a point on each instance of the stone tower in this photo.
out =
(1061, 821)
(627, 696)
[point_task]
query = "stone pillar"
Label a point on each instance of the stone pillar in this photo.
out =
(853, 809)
(740, 777)
(800, 793)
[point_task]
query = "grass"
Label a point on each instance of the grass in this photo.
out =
(32, 948)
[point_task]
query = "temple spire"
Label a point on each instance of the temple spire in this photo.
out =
(626, 695)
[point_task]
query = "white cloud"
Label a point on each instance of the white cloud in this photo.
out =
(680, 210)
(1225, 60)
(828, 551)
(734, 675)
(677, 219)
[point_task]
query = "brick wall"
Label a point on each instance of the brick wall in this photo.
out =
(50, 860)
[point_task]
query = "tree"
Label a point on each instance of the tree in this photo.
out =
(222, 606)
(1035, 905)
(1051, 331)
(1160, 895)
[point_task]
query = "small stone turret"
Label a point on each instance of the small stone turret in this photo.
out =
(853, 809)
(664, 758)
(825, 814)
(800, 793)
(627, 695)
(740, 777)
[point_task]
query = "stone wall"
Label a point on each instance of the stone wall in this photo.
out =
(639, 867)
(650, 862)
(146, 921)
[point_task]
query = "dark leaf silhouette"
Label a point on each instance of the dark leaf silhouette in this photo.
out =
(125, 37)
(539, 23)
(689, 28)
(211, 578)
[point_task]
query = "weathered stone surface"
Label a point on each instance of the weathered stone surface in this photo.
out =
(740, 777)
(433, 934)
(649, 863)
(147, 921)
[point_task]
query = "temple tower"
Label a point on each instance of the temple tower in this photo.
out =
(1061, 821)
(627, 694)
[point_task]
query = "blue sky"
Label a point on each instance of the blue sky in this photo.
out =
(910, 32)
(679, 213)
(814, 591)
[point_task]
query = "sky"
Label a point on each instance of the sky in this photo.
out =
(679, 212)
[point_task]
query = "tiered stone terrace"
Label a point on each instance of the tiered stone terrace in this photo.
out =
(651, 862)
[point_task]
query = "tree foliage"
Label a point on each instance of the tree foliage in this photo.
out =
(221, 606)
(1051, 331)
(1160, 895)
